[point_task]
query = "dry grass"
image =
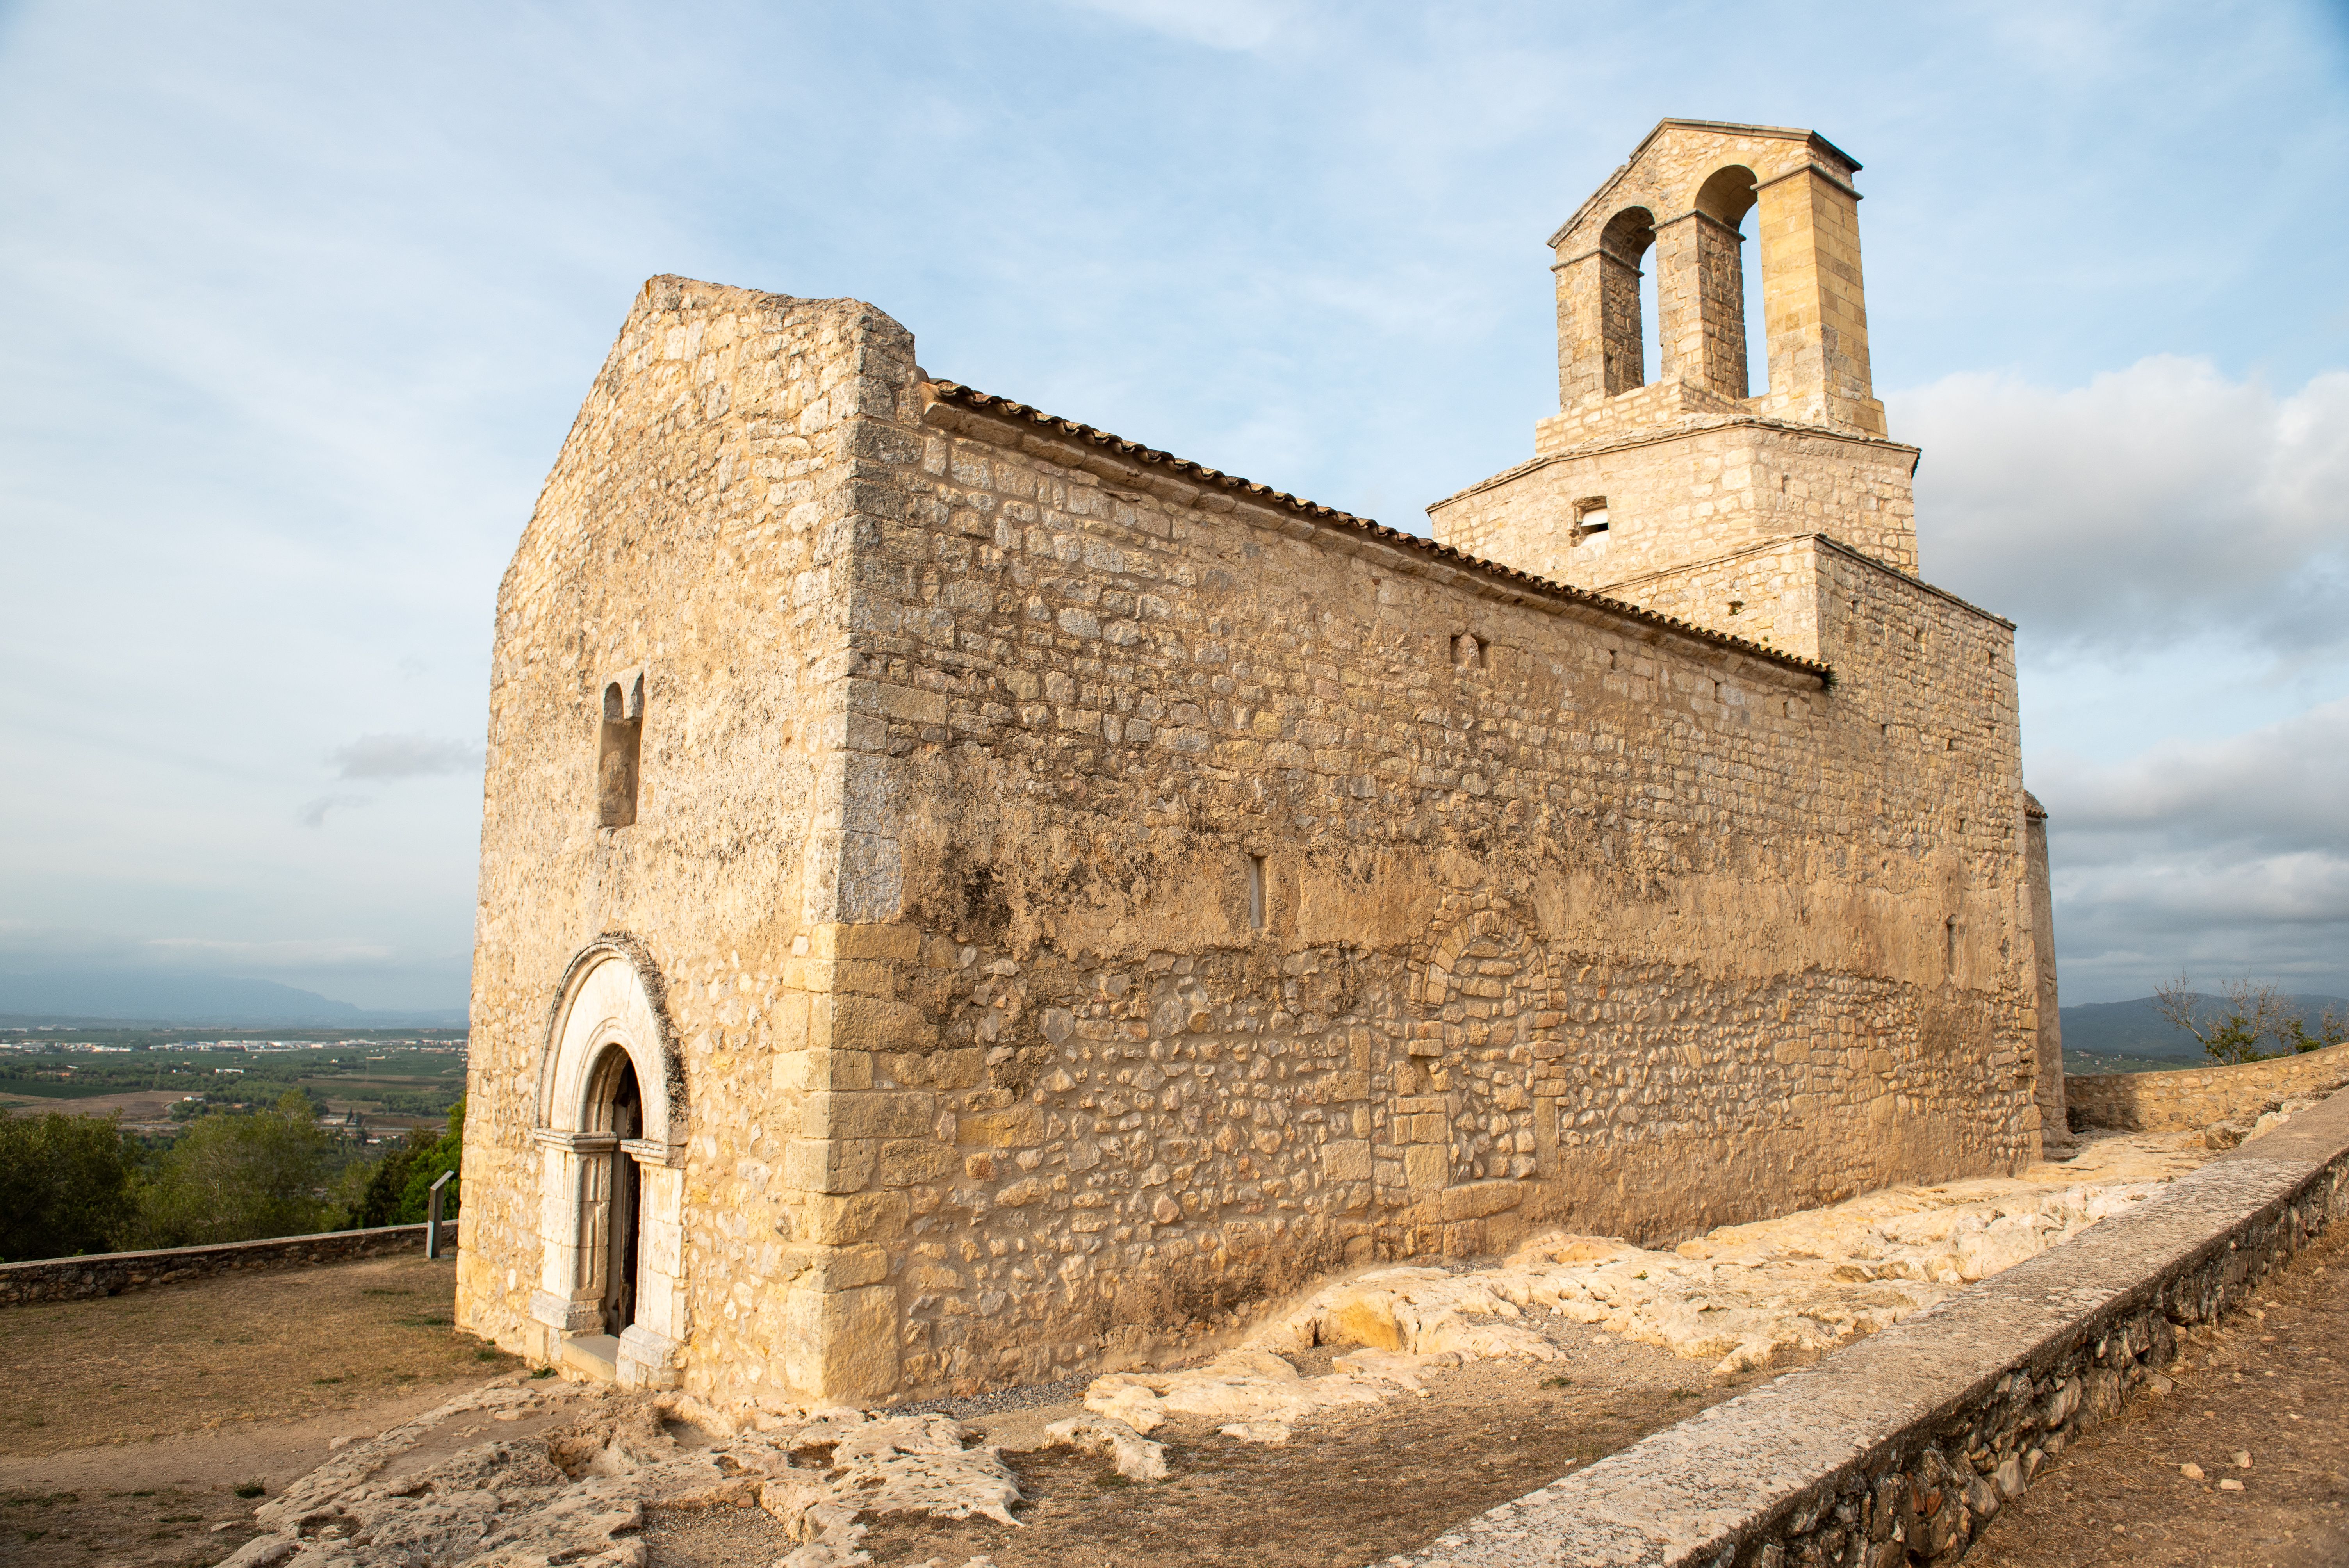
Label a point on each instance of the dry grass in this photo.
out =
(199, 1357)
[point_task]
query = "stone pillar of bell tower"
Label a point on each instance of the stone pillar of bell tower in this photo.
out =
(1814, 307)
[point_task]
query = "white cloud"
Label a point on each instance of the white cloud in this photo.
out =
(313, 814)
(2225, 858)
(2157, 502)
(403, 757)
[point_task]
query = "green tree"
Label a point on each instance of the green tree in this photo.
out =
(65, 1186)
(388, 1180)
(241, 1177)
(448, 1153)
(2332, 1029)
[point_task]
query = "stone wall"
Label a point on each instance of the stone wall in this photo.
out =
(2191, 1099)
(1563, 921)
(111, 1273)
(697, 528)
(1895, 1450)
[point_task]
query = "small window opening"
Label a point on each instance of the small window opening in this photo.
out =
(1736, 606)
(1256, 893)
(1949, 938)
(618, 747)
(1590, 517)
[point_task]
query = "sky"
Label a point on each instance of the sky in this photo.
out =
(297, 302)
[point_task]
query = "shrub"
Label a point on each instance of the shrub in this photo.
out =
(240, 1179)
(398, 1192)
(65, 1186)
(447, 1154)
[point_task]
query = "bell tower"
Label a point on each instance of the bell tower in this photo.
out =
(1650, 467)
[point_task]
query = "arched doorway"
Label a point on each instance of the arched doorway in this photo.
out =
(612, 1203)
(610, 1123)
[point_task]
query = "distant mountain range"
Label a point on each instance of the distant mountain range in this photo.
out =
(148, 996)
(2138, 1028)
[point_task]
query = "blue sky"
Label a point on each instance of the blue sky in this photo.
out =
(296, 302)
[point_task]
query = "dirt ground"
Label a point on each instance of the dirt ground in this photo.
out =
(142, 1106)
(128, 1426)
(2273, 1384)
(1351, 1486)
(127, 1423)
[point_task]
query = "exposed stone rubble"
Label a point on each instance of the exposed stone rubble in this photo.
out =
(1246, 1387)
(1741, 1296)
(1135, 1456)
(1738, 1297)
(576, 1494)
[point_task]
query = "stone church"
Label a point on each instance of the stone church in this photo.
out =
(967, 898)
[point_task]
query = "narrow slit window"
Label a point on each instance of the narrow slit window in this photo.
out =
(1256, 893)
(618, 747)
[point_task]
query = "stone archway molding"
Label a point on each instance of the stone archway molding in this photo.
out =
(611, 997)
(562, 1093)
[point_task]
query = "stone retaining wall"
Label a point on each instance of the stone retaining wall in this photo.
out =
(2193, 1097)
(111, 1273)
(1896, 1450)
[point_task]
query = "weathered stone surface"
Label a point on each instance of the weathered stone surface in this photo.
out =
(577, 1495)
(1135, 1456)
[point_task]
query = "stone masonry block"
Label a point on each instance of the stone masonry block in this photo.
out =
(961, 1069)
(835, 1268)
(837, 940)
(828, 1165)
(842, 1220)
(876, 1113)
(1021, 1126)
(841, 1344)
(1347, 1160)
(911, 1161)
(800, 1072)
(867, 1024)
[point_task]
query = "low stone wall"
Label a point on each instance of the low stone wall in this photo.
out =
(1895, 1450)
(2193, 1097)
(111, 1273)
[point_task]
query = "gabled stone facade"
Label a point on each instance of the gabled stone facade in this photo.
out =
(966, 900)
